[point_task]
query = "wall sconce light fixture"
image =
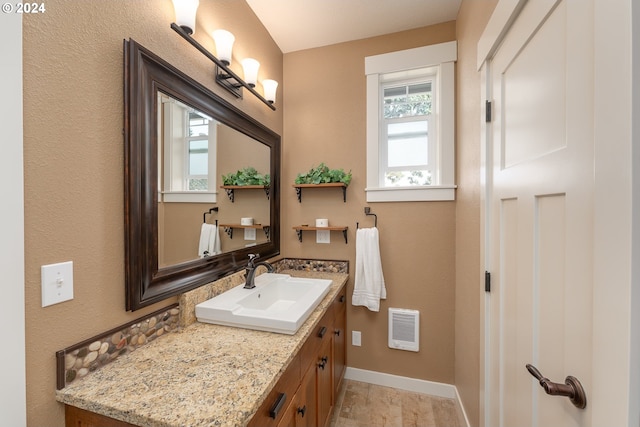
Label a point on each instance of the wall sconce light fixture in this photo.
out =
(186, 14)
(185, 25)
(250, 67)
(224, 45)
(270, 87)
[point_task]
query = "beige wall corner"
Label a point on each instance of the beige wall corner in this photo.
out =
(472, 18)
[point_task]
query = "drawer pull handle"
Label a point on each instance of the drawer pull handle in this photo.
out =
(302, 410)
(273, 413)
(337, 332)
(323, 331)
(342, 298)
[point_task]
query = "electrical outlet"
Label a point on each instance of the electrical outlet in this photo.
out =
(356, 338)
(57, 283)
(323, 236)
(249, 234)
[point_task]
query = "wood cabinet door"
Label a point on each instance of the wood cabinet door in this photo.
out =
(306, 409)
(289, 417)
(339, 352)
(325, 382)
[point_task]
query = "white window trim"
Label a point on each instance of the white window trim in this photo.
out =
(441, 55)
(186, 196)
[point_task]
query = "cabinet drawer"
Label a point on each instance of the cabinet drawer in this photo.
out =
(279, 398)
(76, 417)
(340, 302)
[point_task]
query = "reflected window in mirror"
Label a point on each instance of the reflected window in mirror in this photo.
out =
(188, 153)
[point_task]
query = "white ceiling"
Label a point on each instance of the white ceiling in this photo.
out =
(303, 24)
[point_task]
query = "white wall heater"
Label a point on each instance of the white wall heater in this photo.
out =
(404, 329)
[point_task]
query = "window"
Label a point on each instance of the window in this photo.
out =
(197, 144)
(410, 124)
(406, 155)
(189, 144)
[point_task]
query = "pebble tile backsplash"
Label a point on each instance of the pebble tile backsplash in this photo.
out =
(85, 357)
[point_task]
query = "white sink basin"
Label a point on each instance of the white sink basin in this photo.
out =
(279, 303)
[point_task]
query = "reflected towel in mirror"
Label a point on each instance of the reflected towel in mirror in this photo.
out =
(369, 287)
(205, 236)
(214, 241)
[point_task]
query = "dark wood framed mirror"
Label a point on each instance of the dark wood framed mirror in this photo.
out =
(147, 281)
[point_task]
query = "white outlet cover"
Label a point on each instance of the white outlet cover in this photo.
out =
(57, 283)
(249, 234)
(323, 236)
(356, 338)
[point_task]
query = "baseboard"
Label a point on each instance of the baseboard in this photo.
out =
(461, 412)
(409, 384)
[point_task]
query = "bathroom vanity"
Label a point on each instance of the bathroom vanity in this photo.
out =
(217, 375)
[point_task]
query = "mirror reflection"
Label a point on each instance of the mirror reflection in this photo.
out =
(198, 215)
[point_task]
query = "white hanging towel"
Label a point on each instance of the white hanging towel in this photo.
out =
(214, 241)
(369, 286)
(205, 236)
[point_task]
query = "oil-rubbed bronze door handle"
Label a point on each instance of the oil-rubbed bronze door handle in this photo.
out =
(571, 387)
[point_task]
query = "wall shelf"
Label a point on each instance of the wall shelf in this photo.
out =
(300, 228)
(228, 228)
(342, 185)
(231, 188)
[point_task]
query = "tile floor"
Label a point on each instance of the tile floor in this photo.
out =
(367, 405)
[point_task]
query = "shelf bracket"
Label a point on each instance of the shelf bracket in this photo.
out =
(230, 193)
(229, 231)
(299, 233)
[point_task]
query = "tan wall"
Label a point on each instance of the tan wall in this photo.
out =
(325, 122)
(73, 151)
(472, 18)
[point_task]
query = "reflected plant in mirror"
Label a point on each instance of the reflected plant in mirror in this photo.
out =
(180, 140)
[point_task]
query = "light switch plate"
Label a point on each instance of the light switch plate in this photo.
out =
(323, 236)
(57, 283)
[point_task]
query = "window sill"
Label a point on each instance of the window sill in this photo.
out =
(188, 197)
(436, 193)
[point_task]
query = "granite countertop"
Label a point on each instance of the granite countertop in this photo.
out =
(203, 375)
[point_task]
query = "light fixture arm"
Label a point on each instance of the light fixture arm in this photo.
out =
(229, 80)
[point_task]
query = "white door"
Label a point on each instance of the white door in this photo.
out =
(540, 215)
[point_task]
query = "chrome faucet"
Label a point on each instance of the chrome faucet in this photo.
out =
(250, 271)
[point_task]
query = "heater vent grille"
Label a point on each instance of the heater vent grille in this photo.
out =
(404, 329)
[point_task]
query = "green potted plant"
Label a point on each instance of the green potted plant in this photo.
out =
(322, 174)
(246, 176)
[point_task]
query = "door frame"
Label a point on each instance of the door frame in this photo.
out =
(13, 400)
(616, 268)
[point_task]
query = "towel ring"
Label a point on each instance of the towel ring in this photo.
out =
(204, 216)
(367, 211)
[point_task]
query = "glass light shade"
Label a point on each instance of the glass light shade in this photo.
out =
(186, 14)
(270, 87)
(224, 45)
(250, 67)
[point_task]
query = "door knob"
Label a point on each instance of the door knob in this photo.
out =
(571, 387)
